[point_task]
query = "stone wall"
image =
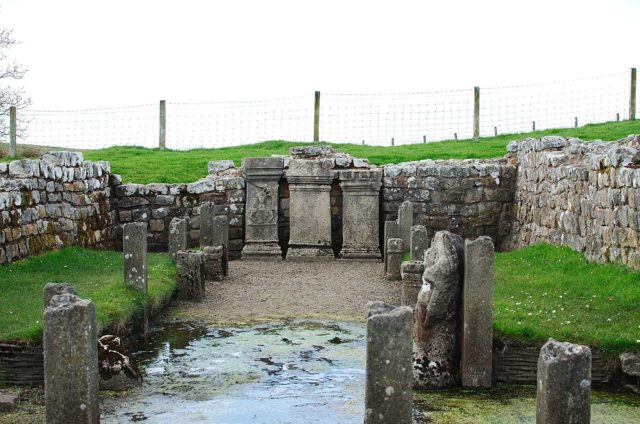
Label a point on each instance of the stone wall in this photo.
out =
(467, 197)
(582, 195)
(59, 200)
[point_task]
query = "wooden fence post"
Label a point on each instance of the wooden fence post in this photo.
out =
(13, 151)
(162, 142)
(632, 95)
(316, 118)
(476, 112)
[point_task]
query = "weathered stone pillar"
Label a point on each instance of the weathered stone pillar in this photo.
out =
(54, 289)
(177, 236)
(190, 275)
(262, 176)
(207, 214)
(361, 214)
(134, 248)
(477, 313)
(419, 242)
(390, 231)
(437, 321)
(221, 238)
(405, 222)
(564, 384)
(411, 272)
(71, 377)
(394, 258)
(310, 209)
(389, 380)
(213, 263)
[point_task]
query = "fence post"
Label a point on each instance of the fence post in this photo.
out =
(316, 118)
(393, 142)
(476, 112)
(13, 151)
(575, 122)
(632, 95)
(162, 142)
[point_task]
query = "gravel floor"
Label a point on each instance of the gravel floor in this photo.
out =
(261, 291)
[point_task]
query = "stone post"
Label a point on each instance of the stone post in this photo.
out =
(419, 242)
(177, 236)
(71, 377)
(389, 379)
(190, 275)
(207, 214)
(310, 209)
(262, 176)
(213, 263)
(405, 222)
(411, 272)
(134, 248)
(394, 258)
(564, 384)
(477, 313)
(390, 231)
(361, 214)
(54, 289)
(221, 238)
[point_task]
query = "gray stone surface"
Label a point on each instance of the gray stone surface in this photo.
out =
(360, 214)
(436, 361)
(477, 313)
(70, 361)
(310, 209)
(7, 402)
(405, 222)
(207, 215)
(390, 231)
(306, 152)
(388, 386)
(419, 242)
(630, 363)
(564, 384)
(215, 166)
(53, 289)
(411, 272)
(221, 238)
(395, 248)
(191, 283)
(178, 232)
(134, 249)
(261, 217)
(213, 263)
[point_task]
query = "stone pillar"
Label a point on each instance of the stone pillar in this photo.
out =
(213, 263)
(177, 236)
(310, 209)
(221, 238)
(389, 380)
(190, 275)
(411, 272)
(54, 289)
(390, 231)
(477, 313)
(394, 259)
(564, 384)
(437, 321)
(262, 176)
(361, 214)
(405, 222)
(207, 214)
(71, 378)
(134, 248)
(419, 242)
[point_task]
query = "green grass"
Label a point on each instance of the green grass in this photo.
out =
(96, 275)
(140, 165)
(544, 291)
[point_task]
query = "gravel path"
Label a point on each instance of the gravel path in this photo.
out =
(262, 291)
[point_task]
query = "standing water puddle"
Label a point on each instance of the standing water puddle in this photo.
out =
(288, 372)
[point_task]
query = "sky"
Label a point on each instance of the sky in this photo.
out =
(82, 53)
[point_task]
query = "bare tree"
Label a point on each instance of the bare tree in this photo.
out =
(10, 95)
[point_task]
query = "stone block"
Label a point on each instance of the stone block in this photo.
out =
(213, 263)
(7, 402)
(419, 242)
(134, 249)
(177, 236)
(405, 222)
(411, 273)
(207, 214)
(191, 282)
(395, 248)
(216, 166)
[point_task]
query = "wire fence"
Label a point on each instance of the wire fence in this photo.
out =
(373, 119)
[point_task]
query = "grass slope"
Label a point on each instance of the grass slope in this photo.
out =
(544, 291)
(96, 275)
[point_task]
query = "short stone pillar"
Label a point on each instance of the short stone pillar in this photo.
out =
(262, 176)
(134, 248)
(310, 209)
(71, 379)
(477, 313)
(564, 384)
(54, 289)
(411, 272)
(390, 231)
(437, 319)
(405, 222)
(190, 275)
(207, 214)
(389, 379)
(221, 238)
(419, 242)
(395, 249)
(360, 214)
(213, 263)
(177, 236)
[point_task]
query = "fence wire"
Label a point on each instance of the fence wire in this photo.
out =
(374, 119)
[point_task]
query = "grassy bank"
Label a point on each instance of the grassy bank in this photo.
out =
(96, 275)
(547, 291)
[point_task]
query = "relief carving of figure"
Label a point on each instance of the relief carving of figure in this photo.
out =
(262, 210)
